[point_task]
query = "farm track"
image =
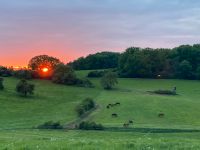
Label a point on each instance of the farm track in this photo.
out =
(84, 117)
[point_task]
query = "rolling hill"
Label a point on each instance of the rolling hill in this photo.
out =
(178, 129)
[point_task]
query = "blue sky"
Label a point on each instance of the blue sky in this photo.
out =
(72, 28)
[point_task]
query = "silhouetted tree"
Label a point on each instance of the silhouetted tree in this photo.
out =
(37, 64)
(43, 61)
(5, 72)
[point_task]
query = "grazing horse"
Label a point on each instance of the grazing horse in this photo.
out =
(161, 115)
(117, 103)
(111, 105)
(130, 121)
(125, 125)
(114, 115)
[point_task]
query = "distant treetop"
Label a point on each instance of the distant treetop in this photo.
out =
(103, 60)
(43, 64)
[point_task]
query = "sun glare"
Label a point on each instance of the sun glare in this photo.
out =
(45, 69)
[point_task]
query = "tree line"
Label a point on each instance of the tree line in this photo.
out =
(57, 72)
(96, 61)
(182, 62)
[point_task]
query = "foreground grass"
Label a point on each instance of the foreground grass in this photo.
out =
(89, 140)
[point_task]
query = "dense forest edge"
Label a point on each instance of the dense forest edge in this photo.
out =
(181, 62)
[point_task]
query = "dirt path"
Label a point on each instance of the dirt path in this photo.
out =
(85, 117)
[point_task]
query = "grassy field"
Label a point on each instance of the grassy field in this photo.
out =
(90, 140)
(178, 129)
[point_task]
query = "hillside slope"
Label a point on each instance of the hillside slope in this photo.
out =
(57, 103)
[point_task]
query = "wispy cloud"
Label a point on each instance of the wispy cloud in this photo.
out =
(74, 28)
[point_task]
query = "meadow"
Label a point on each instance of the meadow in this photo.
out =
(178, 129)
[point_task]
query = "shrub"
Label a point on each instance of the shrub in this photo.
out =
(90, 126)
(50, 125)
(1, 84)
(84, 83)
(109, 80)
(165, 92)
(88, 104)
(24, 88)
(85, 106)
(96, 74)
(5, 72)
(64, 74)
(23, 74)
(80, 110)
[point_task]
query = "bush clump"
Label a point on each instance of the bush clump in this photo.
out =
(5, 72)
(109, 80)
(24, 88)
(1, 84)
(64, 74)
(84, 83)
(23, 74)
(96, 74)
(165, 92)
(85, 106)
(50, 125)
(90, 126)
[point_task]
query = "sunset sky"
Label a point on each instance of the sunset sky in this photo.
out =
(68, 29)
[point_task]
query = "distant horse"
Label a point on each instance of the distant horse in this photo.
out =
(114, 115)
(111, 105)
(161, 115)
(126, 125)
(130, 121)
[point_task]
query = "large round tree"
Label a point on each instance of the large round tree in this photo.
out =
(43, 65)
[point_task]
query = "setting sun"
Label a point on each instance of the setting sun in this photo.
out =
(45, 69)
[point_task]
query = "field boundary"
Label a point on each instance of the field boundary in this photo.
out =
(150, 130)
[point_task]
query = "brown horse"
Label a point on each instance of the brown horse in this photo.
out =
(130, 121)
(114, 115)
(126, 125)
(117, 103)
(161, 115)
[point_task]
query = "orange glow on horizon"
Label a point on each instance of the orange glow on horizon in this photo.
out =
(23, 59)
